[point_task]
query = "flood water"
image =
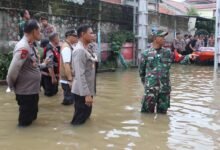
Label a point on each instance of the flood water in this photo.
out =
(192, 122)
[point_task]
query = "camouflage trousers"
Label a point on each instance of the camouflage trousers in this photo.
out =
(154, 101)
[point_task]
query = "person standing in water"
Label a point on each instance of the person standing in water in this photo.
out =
(83, 86)
(154, 72)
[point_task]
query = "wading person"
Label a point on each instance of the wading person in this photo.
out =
(24, 74)
(154, 72)
(184, 59)
(178, 43)
(83, 86)
(50, 75)
(66, 72)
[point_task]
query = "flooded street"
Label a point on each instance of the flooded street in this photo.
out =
(192, 122)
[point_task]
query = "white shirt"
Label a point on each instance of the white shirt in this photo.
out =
(66, 55)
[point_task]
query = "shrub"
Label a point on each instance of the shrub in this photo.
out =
(5, 60)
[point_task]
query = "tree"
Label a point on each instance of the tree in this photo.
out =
(192, 12)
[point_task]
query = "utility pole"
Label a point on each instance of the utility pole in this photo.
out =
(142, 26)
(99, 30)
(217, 36)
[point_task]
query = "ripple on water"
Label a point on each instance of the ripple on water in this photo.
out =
(117, 133)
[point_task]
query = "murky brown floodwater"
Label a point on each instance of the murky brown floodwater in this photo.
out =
(192, 123)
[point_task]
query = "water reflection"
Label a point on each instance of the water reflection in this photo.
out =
(193, 121)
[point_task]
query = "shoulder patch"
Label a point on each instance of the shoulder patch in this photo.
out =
(24, 54)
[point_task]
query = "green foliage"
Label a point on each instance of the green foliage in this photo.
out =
(205, 26)
(192, 12)
(5, 60)
(116, 39)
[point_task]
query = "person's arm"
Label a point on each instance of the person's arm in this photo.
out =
(80, 69)
(190, 45)
(174, 44)
(44, 64)
(142, 68)
(17, 62)
(50, 66)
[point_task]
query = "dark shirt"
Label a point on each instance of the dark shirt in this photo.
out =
(188, 49)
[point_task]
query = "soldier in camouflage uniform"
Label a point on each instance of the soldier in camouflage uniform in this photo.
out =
(154, 72)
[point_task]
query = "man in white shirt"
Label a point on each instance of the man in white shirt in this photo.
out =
(66, 73)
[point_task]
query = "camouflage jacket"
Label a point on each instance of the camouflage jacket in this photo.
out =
(185, 60)
(154, 69)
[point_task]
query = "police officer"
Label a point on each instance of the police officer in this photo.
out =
(155, 75)
(24, 74)
(83, 86)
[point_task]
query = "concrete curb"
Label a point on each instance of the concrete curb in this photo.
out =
(106, 70)
(3, 82)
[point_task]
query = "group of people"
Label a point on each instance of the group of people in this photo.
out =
(74, 62)
(188, 44)
(183, 47)
(71, 63)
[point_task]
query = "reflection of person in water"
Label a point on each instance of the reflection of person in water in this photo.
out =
(184, 59)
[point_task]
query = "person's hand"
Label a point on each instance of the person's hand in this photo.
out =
(70, 83)
(89, 101)
(54, 80)
(46, 61)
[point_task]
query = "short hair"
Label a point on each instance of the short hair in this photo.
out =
(178, 33)
(81, 29)
(52, 36)
(70, 33)
(31, 25)
(196, 35)
(23, 12)
(186, 35)
(44, 18)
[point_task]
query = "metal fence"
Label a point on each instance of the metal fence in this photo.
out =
(89, 9)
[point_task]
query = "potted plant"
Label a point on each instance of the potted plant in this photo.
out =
(121, 43)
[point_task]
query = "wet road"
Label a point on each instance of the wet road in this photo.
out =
(192, 122)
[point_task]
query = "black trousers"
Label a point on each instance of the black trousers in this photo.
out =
(28, 108)
(68, 96)
(82, 111)
(49, 88)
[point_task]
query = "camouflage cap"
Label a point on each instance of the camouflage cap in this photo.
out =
(159, 33)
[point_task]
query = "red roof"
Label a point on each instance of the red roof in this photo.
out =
(164, 10)
(178, 6)
(205, 6)
(200, 1)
